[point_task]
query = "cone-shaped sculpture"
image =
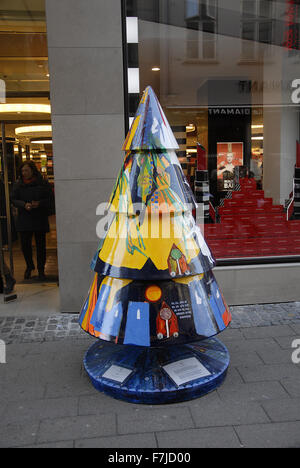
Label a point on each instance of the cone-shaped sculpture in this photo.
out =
(153, 290)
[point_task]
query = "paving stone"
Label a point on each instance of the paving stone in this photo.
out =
(54, 445)
(292, 386)
(266, 332)
(272, 372)
(40, 409)
(80, 427)
(257, 391)
(245, 358)
(285, 342)
(119, 442)
(283, 410)
(296, 328)
(155, 420)
(276, 435)
(219, 413)
(77, 387)
(275, 356)
(14, 435)
(12, 392)
(217, 437)
(248, 346)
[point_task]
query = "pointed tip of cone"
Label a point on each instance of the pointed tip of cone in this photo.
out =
(150, 128)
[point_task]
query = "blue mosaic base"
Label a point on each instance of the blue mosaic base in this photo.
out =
(148, 382)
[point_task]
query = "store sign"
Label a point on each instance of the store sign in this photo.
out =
(2, 92)
(226, 111)
(291, 35)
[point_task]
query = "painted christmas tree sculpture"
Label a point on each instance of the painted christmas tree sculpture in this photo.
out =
(154, 296)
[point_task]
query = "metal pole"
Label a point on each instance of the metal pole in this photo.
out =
(1, 244)
(7, 198)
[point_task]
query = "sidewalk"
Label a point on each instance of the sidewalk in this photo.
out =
(46, 399)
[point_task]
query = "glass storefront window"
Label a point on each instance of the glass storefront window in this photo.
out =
(25, 110)
(226, 74)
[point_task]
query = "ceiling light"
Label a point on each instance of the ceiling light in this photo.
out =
(41, 142)
(133, 80)
(33, 129)
(258, 138)
(155, 69)
(31, 108)
(132, 30)
(257, 126)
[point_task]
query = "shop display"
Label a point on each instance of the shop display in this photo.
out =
(154, 303)
(229, 156)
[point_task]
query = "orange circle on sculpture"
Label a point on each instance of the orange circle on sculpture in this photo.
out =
(153, 293)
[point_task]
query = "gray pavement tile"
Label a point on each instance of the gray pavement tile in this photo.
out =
(296, 328)
(57, 372)
(285, 342)
(267, 332)
(54, 445)
(254, 391)
(263, 373)
(40, 409)
(101, 403)
(245, 358)
(161, 419)
(14, 435)
(217, 437)
(79, 427)
(248, 346)
(275, 435)
(119, 442)
(77, 387)
(276, 356)
(233, 377)
(220, 413)
(292, 386)
(231, 334)
(283, 410)
(12, 392)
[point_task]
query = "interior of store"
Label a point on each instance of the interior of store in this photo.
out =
(25, 110)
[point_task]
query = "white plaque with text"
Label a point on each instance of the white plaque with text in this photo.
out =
(117, 373)
(185, 371)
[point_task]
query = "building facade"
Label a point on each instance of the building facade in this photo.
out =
(227, 75)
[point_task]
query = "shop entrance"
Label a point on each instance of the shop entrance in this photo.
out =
(26, 138)
(15, 152)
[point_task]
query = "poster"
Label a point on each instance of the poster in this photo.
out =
(229, 156)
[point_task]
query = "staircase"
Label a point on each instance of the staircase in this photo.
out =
(251, 226)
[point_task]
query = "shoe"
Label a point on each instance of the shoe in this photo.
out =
(10, 284)
(27, 273)
(42, 276)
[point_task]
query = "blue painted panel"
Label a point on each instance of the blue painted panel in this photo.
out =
(201, 310)
(137, 326)
(111, 321)
(99, 311)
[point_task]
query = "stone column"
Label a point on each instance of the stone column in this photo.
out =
(86, 78)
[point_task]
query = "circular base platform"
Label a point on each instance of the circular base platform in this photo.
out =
(157, 375)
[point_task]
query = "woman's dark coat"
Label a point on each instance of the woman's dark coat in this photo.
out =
(37, 218)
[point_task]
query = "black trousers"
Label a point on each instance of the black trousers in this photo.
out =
(26, 244)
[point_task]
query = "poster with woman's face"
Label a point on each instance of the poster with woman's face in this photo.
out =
(229, 156)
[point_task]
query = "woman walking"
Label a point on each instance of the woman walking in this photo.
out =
(32, 195)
